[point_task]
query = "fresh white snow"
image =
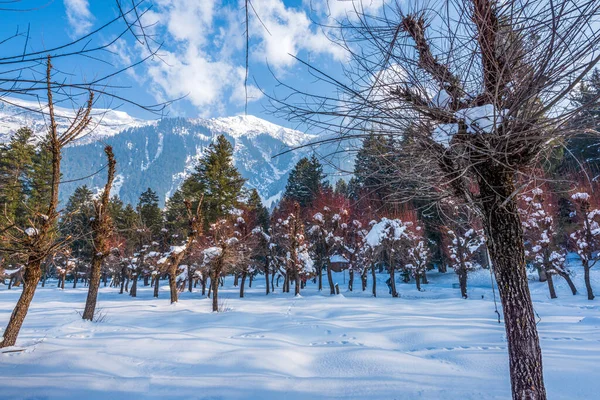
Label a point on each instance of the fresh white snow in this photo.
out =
(423, 345)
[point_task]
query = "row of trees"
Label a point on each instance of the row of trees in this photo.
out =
(314, 226)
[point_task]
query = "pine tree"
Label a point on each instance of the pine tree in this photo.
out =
(373, 169)
(585, 147)
(305, 181)
(260, 212)
(79, 211)
(16, 159)
(341, 188)
(217, 179)
(40, 176)
(149, 211)
(176, 220)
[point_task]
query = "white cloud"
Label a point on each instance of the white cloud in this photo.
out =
(290, 30)
(203, 57)
(79, 16)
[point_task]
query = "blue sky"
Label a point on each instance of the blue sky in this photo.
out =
(202, 56)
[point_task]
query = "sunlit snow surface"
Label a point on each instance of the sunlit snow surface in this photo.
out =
(427, 345)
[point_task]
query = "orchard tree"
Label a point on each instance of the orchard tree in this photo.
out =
(585, 240)
(543, 249)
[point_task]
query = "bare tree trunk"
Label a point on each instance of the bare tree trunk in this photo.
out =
(102, 230)
(507, 253)
(272, 282)
(173, 282)
(236, 279)
(567, 278)
(374, 280)
(330, 279)
(267, 277)
(156, 285)
(418, 281)
(320, 276)
(363, 279)
(551, 286)
(350, 279)
(214, 281)
(297, 285)
(588, 284)
(242, 284)
(92, 296)
(75, 276)
(203, 286)
(133, 291)
(31, 277)
(122, 281)
(250, 280)
(393, 280)
(542, 275)
(462, 280)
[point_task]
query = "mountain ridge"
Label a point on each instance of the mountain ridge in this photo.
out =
(161, 154)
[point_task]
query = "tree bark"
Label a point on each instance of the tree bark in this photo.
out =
(462, 280)
(173, 282)
(242, 284)
(542, 274)
(330, 279)
(156, 285)
(507, 253)
(588, 284)
(567, 278)
(551, 286)
(31, 277)
(374, 280)
(320, 276)
(350, 279)
(297, 285)
(133, 291)
(75, 276)
(92, 296)
(393, 280)
(267, 277)
(214, 282)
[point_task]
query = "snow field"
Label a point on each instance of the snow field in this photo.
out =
(424, 345)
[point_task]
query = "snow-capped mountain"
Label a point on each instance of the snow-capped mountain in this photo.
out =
(16, 113)
(160, 154)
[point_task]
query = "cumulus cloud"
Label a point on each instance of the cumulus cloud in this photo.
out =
(203, 57)
(79, 17)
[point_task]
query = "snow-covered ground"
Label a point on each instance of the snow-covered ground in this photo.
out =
(424, 345)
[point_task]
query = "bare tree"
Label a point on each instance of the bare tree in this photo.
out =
(477, 91)
(102, 229)
(585, 239)
(176, 254)
(41, 239)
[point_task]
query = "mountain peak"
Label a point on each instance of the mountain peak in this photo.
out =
(251, 126)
